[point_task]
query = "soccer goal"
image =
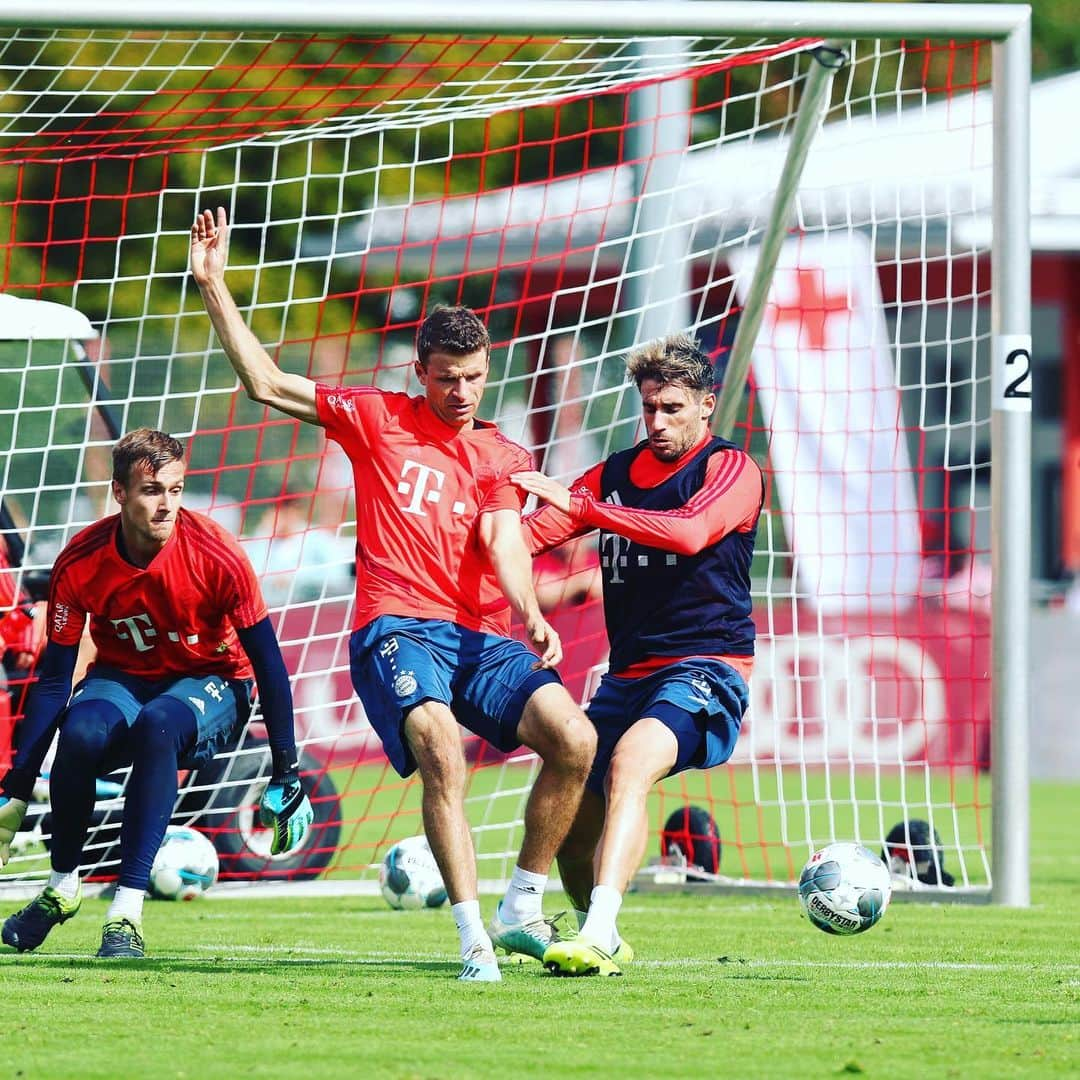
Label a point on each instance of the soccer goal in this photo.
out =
(831, 197)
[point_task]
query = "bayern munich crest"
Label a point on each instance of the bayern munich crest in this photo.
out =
(405, 684)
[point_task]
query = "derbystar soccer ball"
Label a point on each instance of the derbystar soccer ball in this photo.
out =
(185, 866)
(844, 889)
(409, 877)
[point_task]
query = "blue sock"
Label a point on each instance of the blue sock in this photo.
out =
(163, 730)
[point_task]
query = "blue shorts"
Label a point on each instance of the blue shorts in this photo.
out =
(485, 680)
(224, 706)
(701, 701)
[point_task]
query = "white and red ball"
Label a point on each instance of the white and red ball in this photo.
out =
(844, 888)
(185, 866)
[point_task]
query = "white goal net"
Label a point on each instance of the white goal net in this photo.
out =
(582, 194)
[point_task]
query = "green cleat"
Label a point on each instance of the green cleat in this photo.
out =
(121, 939)
(27, 929)
(623, 953)
(579, 956)
(529, 938)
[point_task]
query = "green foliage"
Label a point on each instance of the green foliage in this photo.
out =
(726, 986)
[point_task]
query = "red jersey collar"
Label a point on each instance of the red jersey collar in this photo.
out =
(430, 423)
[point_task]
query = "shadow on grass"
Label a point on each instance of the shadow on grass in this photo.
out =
(224, 965)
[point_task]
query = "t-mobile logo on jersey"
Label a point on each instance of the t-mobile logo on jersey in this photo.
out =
(140, 630)
(426, 487)
(613, 548)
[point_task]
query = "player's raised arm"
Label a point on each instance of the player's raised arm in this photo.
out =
(262, 378)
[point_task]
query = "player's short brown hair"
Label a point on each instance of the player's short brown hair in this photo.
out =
(455, 331)
(677, 359)
(145, 449)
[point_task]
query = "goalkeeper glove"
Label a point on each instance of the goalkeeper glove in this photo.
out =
(12, 812)
(284, 807)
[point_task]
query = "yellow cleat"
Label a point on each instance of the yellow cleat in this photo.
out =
(579, 956)
(623, 953)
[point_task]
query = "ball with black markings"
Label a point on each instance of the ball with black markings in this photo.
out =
(844, 889)
(409, 877)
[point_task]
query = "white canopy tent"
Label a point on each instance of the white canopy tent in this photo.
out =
(42, 320)
(934, 158)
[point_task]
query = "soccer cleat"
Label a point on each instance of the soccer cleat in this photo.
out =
(480, 965)
(27, 929)
(579, 956)
(529, 938)
(121, 939)
(623, 953)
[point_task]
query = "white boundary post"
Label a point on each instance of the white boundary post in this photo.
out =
(1010, 477)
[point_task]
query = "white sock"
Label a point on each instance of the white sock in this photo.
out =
(126, 904)
(67, 885)
(604, 904)
(524, 898)
(581, 916)
(470, 926)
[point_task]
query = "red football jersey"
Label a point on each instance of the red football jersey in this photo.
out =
(421, 485)
(176, 617)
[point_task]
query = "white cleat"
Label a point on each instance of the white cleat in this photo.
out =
(480, 965)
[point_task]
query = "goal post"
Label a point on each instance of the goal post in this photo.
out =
(584, 175)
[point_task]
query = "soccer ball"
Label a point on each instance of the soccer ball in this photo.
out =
(185, 866)
(409, 877)
(844, 889)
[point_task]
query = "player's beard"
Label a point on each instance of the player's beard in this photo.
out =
(674, 446)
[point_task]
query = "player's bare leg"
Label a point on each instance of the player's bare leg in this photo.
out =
(644, 755)
(578, 852)
(560, 733)
(562, 736)
(433, 736)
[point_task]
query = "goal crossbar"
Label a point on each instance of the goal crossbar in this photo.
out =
(989, 21)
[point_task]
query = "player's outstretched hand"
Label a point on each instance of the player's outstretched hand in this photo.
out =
(12, 812)
(543, 487)
(284, 807)
(209, 246)
(545, 640)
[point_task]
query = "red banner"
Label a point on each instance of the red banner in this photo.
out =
(884, 688)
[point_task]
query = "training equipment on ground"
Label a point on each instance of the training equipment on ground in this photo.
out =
(690, 834)
(753, 181)
(185, 867)
(844, 888)
(409, 877)
(914, 851)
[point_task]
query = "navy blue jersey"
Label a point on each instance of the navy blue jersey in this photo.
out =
(657, 603)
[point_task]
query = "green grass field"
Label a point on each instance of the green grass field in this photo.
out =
(725, 985)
